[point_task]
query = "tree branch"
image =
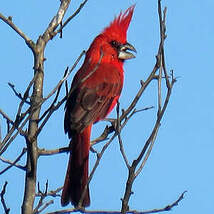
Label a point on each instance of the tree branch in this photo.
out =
(69, 19)
(9, 22)
(14, 162)
(44, 152)
(164, 209)
(146, 150)
(19, 117)
(36, 99)
(19, 95)
(6, 210)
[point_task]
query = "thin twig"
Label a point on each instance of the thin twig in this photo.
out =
(28, 41)
(66, 75)
(103, 136)
(8, 139)
(159, 85)
(0, 134)
(47, 204)
(14, 162)
(154, 131)
(6, 210)
(42, 197)
(56, 21)
(57, 88)
(69, 19)
(43, 194)
(109, 129)
(147, 153)
(119, 137)
(19, 117)
(123, 151)
(19, 95)
(52, 193)
(9, 121)
(53, 107)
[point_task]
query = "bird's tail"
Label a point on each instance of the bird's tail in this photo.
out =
(77, 172)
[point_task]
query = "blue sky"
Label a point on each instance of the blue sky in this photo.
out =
(182, 157)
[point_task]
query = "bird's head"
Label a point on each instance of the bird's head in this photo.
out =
(116, 34)
(113, 40)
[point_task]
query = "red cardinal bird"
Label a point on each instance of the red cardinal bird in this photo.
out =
(95, 90)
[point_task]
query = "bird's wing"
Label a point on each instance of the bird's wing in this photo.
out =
(93, 99)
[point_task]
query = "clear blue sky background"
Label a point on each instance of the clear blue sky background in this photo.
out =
(182, 158)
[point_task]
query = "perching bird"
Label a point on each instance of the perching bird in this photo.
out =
(95, 90)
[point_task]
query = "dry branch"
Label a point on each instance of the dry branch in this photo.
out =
(13, 163)
(8, 21)
(18, 94)
(62, 26)
(6, 210)
(37, 96)
(8, 139)
(164, 209)
(146, 150)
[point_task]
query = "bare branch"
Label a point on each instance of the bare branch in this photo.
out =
(69, 19)
(19, 95)
(159, 84)
(8, 139)
(99, 156)
(52, 193)
(166, 208)
(28, 41)
(119, 137)
(6, 117)
(109, 129)
(37, 122)
(44, 152)
(66, 75)
(19, 117)
(41, 204)
(6, 210)
(9, 121)
(56, 21)
(45, 206)
(129, 115)
(58, 87)
(123, 151)
(55, 107)
(36, 99)
(148, 152)
(14, 162)
(42, 197)
(160, 64)
(153, 135)
(103, 136)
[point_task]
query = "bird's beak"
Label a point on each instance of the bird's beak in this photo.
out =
(123, 51)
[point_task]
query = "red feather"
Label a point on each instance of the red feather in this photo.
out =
(95, 90)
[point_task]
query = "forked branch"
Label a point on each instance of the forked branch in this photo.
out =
(138, 164)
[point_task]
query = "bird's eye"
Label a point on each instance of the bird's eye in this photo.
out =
(115, 44)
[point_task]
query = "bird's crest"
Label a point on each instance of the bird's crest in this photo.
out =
(118, 28)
